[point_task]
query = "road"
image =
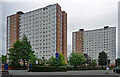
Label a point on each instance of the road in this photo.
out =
(87, 73)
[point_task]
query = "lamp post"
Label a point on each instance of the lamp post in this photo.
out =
(107, 68)
(107, 57)
(37, 57)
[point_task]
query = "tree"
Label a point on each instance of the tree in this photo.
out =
(88, 59)
(61, 60)
(102, 59)
(118, 62)
(14, 55)
(32, 58)
(42, 61)
(21, 50)
(93, 63)
(76, 59)
(0, 59)
(26, 50)
(4, 58)
(53, 61)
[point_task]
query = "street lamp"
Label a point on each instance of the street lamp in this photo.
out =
(107, 68)
(107, 57)
(37, 57)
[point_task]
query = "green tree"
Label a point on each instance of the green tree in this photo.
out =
(4, 58)
(88, 59)
(53, 61)
(102, 59)
(93, 63)
(26, 50)
(32, 58)
(0, 59)
(68, 60)
(118, 62)
(21, 50)
(14, 56)
(76, 59)
(42, 61)
(61, 60)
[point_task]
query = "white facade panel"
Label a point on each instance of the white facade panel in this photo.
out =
(99, 40)
(119, 29)
(40, 28)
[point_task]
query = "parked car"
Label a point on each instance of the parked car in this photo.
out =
(117, 70)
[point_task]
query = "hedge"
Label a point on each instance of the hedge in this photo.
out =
(36, 68)
(17, 67)
(96, 68)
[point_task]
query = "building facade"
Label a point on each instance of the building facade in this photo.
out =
(46, 29)
(119, 29)
(12, 29)
(92, 42)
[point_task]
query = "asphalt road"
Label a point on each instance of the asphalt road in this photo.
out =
(89, 73)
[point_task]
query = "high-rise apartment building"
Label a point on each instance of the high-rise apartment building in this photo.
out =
(46, 29)
(92, 42)
(12, 29)
(119, 29)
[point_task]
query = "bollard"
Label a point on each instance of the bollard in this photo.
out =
(6, 66)
(3, 69)
(107, 70)
(29, 69)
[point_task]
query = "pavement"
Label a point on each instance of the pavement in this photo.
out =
(86, 72)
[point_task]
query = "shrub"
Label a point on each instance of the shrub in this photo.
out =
(53, 61)
(76, 59)
(69, 67)
(14, 66)
(96, 68)
(17, 67)
(36, 68)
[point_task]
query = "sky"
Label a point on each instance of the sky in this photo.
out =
(86, 14)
